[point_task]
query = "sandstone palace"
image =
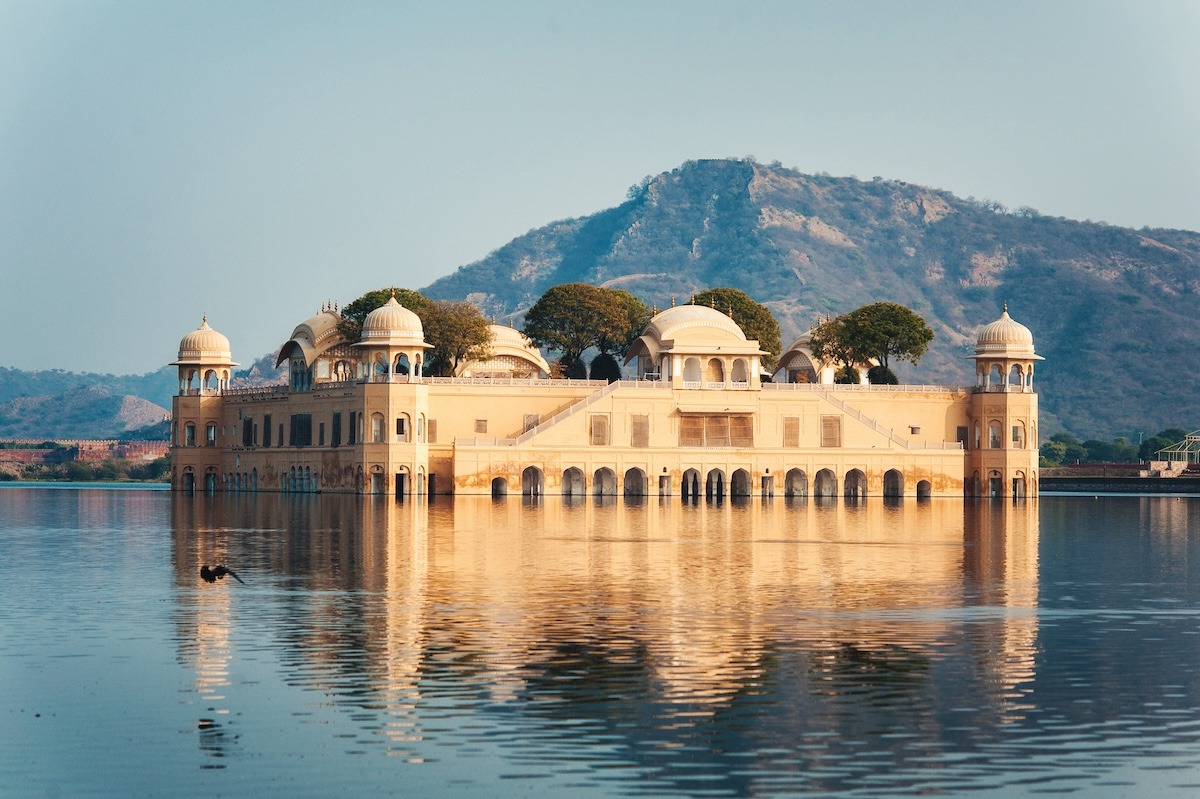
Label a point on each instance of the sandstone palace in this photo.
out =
(698, 419)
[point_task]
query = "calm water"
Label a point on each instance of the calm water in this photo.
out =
(477, 648)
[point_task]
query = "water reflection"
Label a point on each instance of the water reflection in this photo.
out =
(715, 646)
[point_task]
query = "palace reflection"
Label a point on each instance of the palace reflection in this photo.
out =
(660, 620)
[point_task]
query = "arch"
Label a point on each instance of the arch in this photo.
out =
(714, 484)
(635, 483)
(210, 434)
(189, 434)
(533, 484)
(400, 365)
(1016, 375)
(189, 480)
(378, 428)
(825, 484)
(741, 372)
(856, 485)
(499, 487)
(1018, 435)
(574, 484)
(1019, 486)
(691, 370)
(995, 375)
(403, 428)
(978, 436)
(893, 483)
(995, 435)
(604, 482)
(309, 484)
(690, 484)
(739, 484)
(254, 479)
(714, 371)
(923, 490)
(1033, 436)
(210, 481)
(972, 487)
(795, 483)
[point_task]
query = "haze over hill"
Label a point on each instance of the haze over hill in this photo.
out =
(1107, 305)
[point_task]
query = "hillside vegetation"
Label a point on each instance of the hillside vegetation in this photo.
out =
(1107, 305)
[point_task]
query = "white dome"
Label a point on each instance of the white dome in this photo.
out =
(204, 345)
(1006, 338)
(392, 323)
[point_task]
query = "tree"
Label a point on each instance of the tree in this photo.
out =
(355, 312)
(572, 317)
(754, 318)
(876, 332)
(883, 330)
(1160, 440)
(457, 332)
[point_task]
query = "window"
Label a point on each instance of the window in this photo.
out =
(599, 424)
(432, 437)
(279, 443)
(1018, 436)
(247, 432)
(529, 422)
(995, 439)
(335, 431)
(791, 431)
(377, 428)
(914, 430)
(639, 425)
(716, 430)
(301, 430)
(210, 434)
(189, 434)
(831, 431)
(321, 434)
(401, 428)
(353, 428)
(267, 430)
(481, 425)
(962, 436)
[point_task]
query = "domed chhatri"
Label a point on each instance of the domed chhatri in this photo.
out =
(359, 415)
(204, 345)
(1005, 337)
(392, 323)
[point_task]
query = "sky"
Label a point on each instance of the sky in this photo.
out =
(251, 161)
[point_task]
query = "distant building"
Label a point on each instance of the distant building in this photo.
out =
(698, 420)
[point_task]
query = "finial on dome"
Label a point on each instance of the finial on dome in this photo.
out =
(1006, 307)
(672, 300)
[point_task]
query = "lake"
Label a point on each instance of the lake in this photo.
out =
(473, 647)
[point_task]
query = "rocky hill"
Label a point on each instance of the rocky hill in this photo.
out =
(1108, 305)
(88, 413)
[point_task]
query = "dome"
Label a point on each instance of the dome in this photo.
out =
(312, 337)
(204, 345)
(1006, 338)
(693, 321)
(392, 323)
(511, 353)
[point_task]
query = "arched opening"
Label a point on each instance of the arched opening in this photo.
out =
(210, 434)
(893, 483)
(995, 484)
(690, 484)
(635, 483)
(254, 479)
(825, 485)
(714, 485)
(691, 371)
(714, 371)
(995, 376)
(978, 436)
(795, 484)
(604, 482)
(189, 480)
(923, 490)
(1018, 435)
(189, 434)
(499, 487)
(1016, 376)
(740, 372)
(1019, 486)
(210, 380)
(532, 482)
(377, 428)
(400, 365)
(739, 484)
(574, 484)
(768, 486)
(403, 428)
(972, 486)
(995, 435)
(800, 369)
(856, 485)
(210, 481)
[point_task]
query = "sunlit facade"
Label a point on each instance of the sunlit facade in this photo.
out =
(697, 420)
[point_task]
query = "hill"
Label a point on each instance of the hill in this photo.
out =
(1105, 303)
(88, 413)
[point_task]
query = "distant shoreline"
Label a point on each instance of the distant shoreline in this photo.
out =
(1120, 485)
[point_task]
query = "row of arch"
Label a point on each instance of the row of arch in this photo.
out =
(713, 484)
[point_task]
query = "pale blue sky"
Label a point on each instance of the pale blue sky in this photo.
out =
(250, 160)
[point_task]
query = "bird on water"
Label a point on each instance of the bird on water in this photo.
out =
(211, 575)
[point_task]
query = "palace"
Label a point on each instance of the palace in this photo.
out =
(698, 419)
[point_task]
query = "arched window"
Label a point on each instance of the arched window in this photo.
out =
(995, 435)
(1018, 435)
(691, 371)
(210, 434)
(377, 428)
(741, 373)
(715, 371)
(189, 434)
(978, 436)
